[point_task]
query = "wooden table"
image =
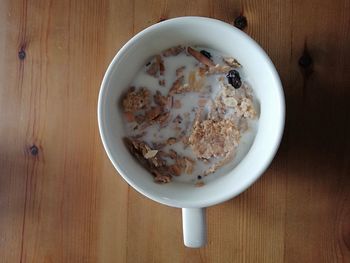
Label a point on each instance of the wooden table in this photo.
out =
(60, 198)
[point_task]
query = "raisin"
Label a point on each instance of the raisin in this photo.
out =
(234, 79)
(205, 53)
(236, 83)
(232, 73)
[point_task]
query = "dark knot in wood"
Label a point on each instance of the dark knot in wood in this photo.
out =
(240, 22)
(161, 19)
(305, 60)
(21, 54)
(34, 150)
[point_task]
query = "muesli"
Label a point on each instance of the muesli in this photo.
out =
(185, 113)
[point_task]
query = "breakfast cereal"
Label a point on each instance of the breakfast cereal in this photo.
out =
(186, 112)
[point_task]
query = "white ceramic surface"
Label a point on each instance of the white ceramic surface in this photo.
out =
(263, 78)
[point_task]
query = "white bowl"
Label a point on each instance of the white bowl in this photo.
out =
(264, 81)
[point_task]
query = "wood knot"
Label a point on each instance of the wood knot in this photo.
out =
(34, 150)
(22, 50)
(305, 60)
(161, 19)
(306, 63)
(21, 54)
(240, 22)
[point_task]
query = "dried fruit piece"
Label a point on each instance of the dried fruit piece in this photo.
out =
(206, 54)
(234, 79)
(200, 57)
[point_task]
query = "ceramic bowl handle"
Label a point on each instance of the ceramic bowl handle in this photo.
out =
(194, 227)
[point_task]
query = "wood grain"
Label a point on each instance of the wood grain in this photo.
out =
(66, 204)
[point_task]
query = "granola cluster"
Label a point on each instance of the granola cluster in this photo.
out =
(136, 100)
(213, 138)
(190, 123)
(153, 160)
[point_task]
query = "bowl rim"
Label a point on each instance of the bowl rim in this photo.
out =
(280, 123)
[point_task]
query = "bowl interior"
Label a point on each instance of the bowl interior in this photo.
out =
(262, 76)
